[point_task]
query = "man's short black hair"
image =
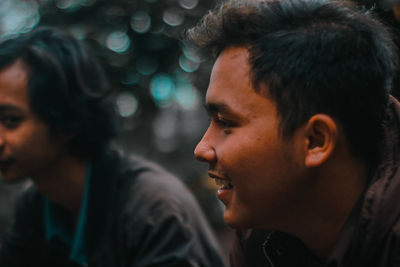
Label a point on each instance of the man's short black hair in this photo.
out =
(67, 88)
(315, 56)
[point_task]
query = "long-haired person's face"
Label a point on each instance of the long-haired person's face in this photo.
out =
(254, 166)
(25, 146)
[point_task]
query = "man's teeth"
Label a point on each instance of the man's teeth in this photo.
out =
(225, 184)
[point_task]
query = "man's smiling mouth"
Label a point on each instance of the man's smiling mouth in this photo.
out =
(223, 183)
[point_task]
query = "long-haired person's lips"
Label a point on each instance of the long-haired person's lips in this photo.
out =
(222, 182)
(6, 161)
(5, 164)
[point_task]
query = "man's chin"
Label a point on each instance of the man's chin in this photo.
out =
(236, 221)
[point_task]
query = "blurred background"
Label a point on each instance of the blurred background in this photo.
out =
(159, 82)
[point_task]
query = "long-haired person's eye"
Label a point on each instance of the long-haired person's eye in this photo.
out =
(10, 121)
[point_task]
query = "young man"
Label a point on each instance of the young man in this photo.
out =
(304, 137)
(89, 205)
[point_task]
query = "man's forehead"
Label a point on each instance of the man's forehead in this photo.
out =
(233, 54)
(230, 73)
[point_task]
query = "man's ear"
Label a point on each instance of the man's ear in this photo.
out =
(321, 139)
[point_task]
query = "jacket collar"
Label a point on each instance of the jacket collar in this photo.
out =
(370, 220)
(368, 226)
(381, 205)
(282, 249)
(102, 196)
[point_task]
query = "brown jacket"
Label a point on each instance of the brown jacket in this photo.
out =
(371, 235)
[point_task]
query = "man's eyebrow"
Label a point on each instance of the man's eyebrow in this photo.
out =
(213, 108)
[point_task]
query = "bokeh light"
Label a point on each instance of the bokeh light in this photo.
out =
(141, 22)
(186, 96)
(188, 4)
(118, 41)
(173, 16)
(127, 104)
(162, 88)
(165, 127)
(191, 53)
(18, 17)
(187, 64)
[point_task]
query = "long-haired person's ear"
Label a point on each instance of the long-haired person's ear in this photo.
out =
(321, 139)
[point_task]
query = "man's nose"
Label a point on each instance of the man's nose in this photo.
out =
(204, 151)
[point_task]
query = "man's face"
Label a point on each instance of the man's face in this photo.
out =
(25, 146)
(259, 171)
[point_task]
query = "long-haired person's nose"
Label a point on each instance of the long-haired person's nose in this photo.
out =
(2, 139)
(204, 151)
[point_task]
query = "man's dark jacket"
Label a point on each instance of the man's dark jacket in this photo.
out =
(138, 215)
(371, 235)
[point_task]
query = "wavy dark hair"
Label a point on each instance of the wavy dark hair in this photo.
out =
(67, 88)
(315, 56)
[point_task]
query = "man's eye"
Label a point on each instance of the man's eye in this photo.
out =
(224, 124)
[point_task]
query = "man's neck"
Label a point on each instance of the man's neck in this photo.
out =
(63, 182)
(329, 203)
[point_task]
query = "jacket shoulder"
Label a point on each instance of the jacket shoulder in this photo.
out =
(393, 246)
(160, 212)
